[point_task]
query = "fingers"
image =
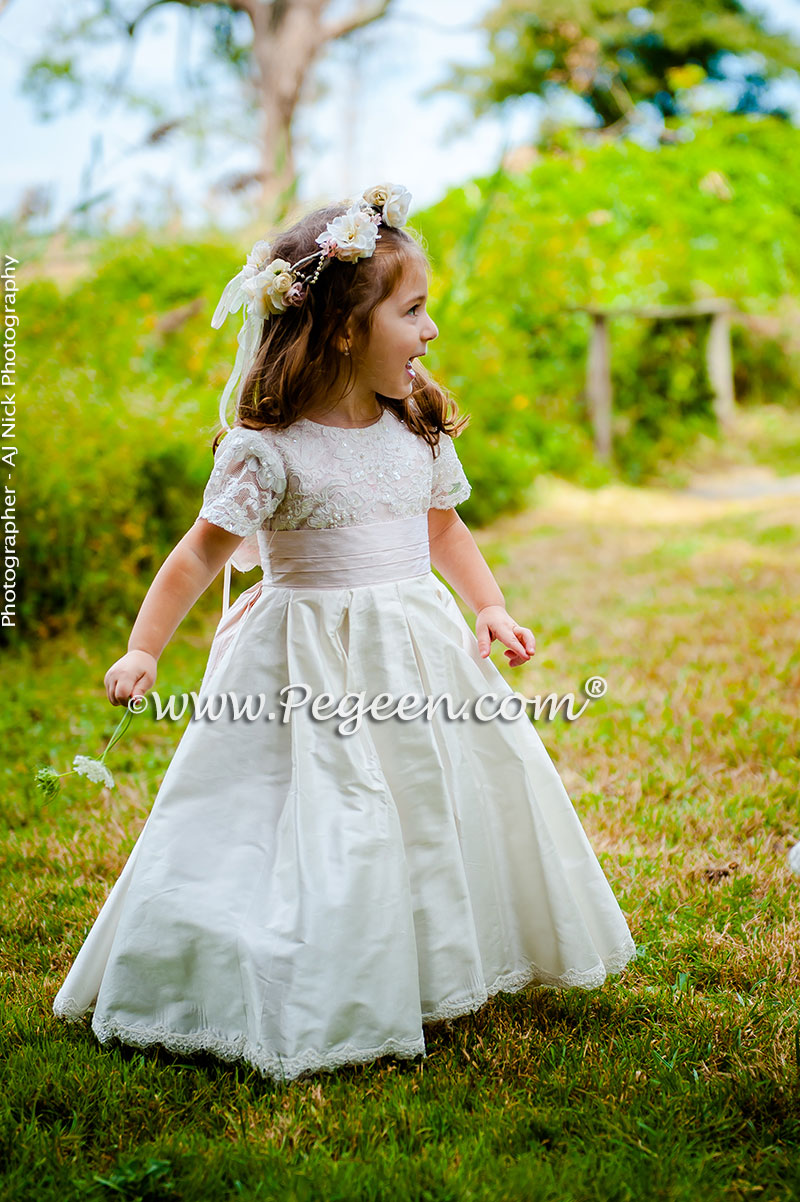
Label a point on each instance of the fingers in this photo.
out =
(525, 640)
(123, 683)
(110, 683)
(521, 643)
(117, 690)
(141, 684)
(519, 639)
(514, 643)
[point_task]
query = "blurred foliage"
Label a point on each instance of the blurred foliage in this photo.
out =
(614, 57)
(126, 371)
(669, 363)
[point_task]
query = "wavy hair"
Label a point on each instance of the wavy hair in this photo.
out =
(298, 362)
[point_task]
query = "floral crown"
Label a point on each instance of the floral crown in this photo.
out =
(267, 287)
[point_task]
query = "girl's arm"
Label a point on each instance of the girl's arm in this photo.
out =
(455, 554)
(184, 575)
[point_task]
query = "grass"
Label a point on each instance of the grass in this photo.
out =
(678, 1080)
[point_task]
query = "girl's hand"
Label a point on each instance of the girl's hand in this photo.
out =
(495, 622)
(130, 676)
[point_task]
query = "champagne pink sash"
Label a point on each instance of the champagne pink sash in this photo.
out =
(334, 557)
(349, 556)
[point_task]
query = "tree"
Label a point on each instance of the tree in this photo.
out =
(614, 57)
(268, 45)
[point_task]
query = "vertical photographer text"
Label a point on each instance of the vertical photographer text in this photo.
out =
(8, 439)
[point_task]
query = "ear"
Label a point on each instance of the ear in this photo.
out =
(342, 343)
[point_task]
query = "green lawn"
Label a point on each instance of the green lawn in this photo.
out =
(678, 1080)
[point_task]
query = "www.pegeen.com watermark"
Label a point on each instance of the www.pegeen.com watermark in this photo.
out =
(353, 707)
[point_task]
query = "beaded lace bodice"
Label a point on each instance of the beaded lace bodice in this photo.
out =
(316, 476)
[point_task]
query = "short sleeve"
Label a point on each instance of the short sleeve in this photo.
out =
(449, 486)
(246, 485)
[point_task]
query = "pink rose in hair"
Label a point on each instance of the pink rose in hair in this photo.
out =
(296, 294)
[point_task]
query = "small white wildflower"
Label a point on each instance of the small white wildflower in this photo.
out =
(794, 858)
(94, 769)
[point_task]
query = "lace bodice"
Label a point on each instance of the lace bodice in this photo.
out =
(318, 476)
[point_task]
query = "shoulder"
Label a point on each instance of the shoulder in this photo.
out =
(445, 447)
(254, 449)
(444, 441)
(242, 440)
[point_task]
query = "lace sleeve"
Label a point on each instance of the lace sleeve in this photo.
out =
(449, 486)
(246, 485)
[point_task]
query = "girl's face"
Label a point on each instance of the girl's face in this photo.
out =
(401, 331)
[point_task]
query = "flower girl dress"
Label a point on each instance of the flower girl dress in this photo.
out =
(307, 893)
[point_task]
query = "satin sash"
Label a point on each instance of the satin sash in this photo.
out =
(344, 556)
(349, 556)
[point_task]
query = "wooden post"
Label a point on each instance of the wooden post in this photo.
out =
(719, 361)
(598, 384)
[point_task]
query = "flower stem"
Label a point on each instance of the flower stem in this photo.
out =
(122, 726)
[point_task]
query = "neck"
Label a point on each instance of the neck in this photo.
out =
(356, 408)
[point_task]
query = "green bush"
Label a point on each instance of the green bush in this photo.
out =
(662, 396)
(765, 369)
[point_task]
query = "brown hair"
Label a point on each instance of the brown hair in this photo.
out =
(298, 360)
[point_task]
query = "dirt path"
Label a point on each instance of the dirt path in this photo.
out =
(743, 482)
(685, 603)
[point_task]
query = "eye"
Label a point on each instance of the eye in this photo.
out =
(413, 307)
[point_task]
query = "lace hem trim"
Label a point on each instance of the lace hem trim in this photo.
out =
(512, 982)
(268, 1062)
(69, 1009)
(272, 1064)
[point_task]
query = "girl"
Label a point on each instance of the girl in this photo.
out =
(310, 889)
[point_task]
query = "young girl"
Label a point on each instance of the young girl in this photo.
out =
(309, 890)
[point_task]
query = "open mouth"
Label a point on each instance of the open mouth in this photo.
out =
(410, 370)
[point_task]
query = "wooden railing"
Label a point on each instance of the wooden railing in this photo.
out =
(719, 360)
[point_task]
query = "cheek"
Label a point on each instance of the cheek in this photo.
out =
(386, 348)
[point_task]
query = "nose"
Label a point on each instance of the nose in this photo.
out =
(433, 331)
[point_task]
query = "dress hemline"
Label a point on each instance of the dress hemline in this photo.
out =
(272, 1065)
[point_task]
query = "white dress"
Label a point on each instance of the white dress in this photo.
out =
(304, 896)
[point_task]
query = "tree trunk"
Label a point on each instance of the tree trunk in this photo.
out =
(287, 38)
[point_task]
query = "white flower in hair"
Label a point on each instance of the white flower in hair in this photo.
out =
(395, 211)
(265, 291)
(392, 199)
(258, 258)
(378, 195)
(354, 233)
(234, 294)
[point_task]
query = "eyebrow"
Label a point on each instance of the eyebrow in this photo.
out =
(414, 299)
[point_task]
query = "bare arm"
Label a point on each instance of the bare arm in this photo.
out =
(184, 576)
(456, 555)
